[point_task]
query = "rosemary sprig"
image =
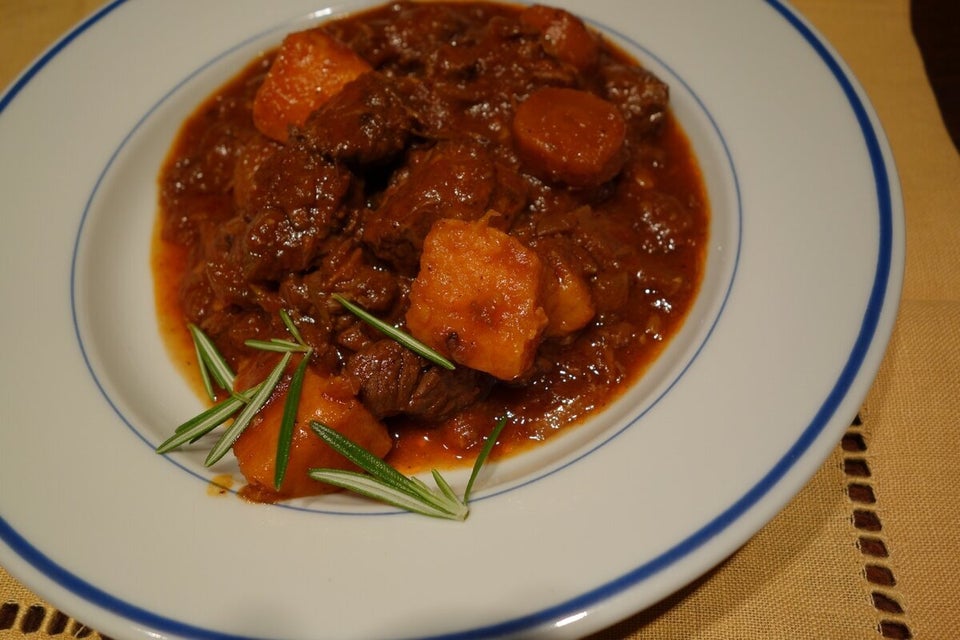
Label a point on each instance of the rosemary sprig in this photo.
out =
(243, 406)
(384, 483)
(381, 481)
(392, 332)
(205, 422)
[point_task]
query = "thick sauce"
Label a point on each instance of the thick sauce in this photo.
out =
(249, 225)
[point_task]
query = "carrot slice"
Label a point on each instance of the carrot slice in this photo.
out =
(563, 35)
(570, 136)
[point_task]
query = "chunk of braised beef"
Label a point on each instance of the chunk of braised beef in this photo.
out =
(665, 222)
(192, 210)
(300, 183)
(388, 374)
(400, 40)
(219, 268)
(441, 393)
(231, 326)
(347, 269)
(365, 123)
(459, 180)
(294, 206)
(468, 85)
(246, 186)
(641, 96)
(395, 381)
(196, 183)
(213, 280)
(196, 295)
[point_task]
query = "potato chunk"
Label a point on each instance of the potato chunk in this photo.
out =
(478, 298)
(310, 68)
(567, 298)
(329, 400)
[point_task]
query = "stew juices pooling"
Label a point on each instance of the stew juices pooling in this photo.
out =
(498, 181)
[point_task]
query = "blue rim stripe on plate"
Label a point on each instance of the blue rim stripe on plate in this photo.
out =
(52, 52)
(831, 403)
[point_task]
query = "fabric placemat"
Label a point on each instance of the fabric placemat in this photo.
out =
(869, 549)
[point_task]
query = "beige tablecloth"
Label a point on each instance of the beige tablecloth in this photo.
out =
(871, 547)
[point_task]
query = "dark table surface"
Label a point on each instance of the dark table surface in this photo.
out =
(936, 27)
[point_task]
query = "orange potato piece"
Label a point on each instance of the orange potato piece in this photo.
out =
(570, 136)
(329, 400)
(478, 298)
(566, 299)
(309, 69)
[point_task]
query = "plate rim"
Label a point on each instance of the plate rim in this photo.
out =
(860, 365)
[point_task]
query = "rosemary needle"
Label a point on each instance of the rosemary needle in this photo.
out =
(211, 362)
(484, 454)
(384, 483)
(390, 331)
(289, 421)
(292, 404)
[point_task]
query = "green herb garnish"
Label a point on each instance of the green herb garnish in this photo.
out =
(390, 331)
(205, 422)
(381, 481)
(292, 403)
(384, 483)
(243, 406)
(252, 408)
(288, 422)
(211, 363)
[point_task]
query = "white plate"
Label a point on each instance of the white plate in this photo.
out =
(804, 271)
